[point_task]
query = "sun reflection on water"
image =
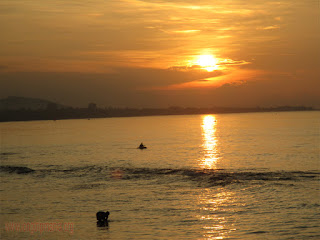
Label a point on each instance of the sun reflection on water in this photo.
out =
(210, 158)
(214, 208)
(214, 203)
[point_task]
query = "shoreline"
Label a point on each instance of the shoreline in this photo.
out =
(84, 113)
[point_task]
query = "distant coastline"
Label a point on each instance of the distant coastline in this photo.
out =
(31, 109)
(87, 113)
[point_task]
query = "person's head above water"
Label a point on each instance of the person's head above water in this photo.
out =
(102, 216)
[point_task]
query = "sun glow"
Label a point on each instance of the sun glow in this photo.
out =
(207, 62)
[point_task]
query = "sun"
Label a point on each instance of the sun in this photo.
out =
(207, 62)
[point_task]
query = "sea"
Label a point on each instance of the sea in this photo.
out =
(218, 176)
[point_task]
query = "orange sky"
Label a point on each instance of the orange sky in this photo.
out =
(148, 53)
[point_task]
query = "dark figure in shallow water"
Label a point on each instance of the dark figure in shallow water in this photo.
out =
(102, 216)
(102, 224)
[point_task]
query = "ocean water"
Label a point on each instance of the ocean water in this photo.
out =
(222, 176)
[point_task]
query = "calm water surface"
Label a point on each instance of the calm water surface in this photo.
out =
(223, 176)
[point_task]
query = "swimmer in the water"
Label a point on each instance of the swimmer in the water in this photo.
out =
(102, 216)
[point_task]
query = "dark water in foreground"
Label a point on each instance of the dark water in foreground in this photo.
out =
(228, 176)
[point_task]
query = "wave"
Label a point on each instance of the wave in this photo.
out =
(212, 177)
(7, 153)
(222, 176)
(16, 169)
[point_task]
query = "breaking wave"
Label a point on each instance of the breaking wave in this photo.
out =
(16, 169)
(211, 177)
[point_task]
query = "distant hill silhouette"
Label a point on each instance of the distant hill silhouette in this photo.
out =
(27, 109)
(18, 103)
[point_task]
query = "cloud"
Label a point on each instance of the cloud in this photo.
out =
(269, 27)
(136, 33)
(3, 67)
(186, 31)
(125, 51)
(115, 88)
(132, 87)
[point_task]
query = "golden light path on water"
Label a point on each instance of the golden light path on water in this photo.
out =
(210, 157)
(216, 224)
(211, 202)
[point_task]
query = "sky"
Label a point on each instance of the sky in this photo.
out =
(157, 53)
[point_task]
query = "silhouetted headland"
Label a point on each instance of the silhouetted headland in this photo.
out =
(54, 111)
